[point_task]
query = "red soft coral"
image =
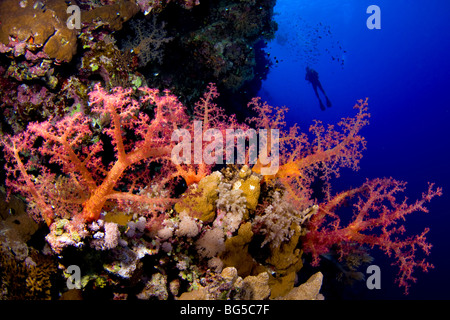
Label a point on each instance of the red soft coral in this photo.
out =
(210, 126)
(377, 213)
(304, 160)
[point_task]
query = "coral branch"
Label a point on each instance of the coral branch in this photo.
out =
(82, 183)
(302, 161)
(86, 183)
(376, 214)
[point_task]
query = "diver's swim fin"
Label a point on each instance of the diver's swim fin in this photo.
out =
(322, 107)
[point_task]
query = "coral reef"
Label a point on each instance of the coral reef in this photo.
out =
(226, 48)
(39, 33)
(109, 170)
(31, 279)
(25, 273)
(221, 218)
(218, 221)
(148, 6)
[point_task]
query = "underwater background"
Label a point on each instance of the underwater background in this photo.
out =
(404, 70)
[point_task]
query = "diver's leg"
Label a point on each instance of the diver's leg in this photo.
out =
(322, 107)
(325, 94)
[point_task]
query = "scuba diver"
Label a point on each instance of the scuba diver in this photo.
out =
(313, 77)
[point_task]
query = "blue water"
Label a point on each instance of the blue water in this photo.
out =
(404, 69)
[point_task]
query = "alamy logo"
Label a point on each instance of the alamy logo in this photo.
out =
(74, 21)
(188, 151)
(374, 21)
(374, 280)
(74, 280)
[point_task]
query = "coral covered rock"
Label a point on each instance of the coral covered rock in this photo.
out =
(36, 28)
(256, 287)
(156, 288)
(286, 260)
(16, 226)
(251, 189)
(236, 252)
(29, 28)
(202, 200)
(308, 290)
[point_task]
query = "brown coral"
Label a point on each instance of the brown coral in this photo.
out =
(38, 28)
(32, 27)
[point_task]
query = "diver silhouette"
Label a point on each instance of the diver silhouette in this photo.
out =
(313, 77)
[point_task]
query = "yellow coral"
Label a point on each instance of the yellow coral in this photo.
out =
(236, 252)
(202, 199)
(21, 280)
(251, 189)
(286, 261)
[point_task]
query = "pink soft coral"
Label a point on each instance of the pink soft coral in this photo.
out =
(303, 160)
(81, 183)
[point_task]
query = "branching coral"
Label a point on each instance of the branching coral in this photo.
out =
(77, 183)
(375, 223)
(302, 161)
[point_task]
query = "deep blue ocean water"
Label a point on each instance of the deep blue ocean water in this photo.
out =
(404, 69)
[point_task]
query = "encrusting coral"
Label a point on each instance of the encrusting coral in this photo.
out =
(32, 28)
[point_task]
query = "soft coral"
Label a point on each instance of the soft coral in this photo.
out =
(83, 183)
(304, 160)
(377, 213)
